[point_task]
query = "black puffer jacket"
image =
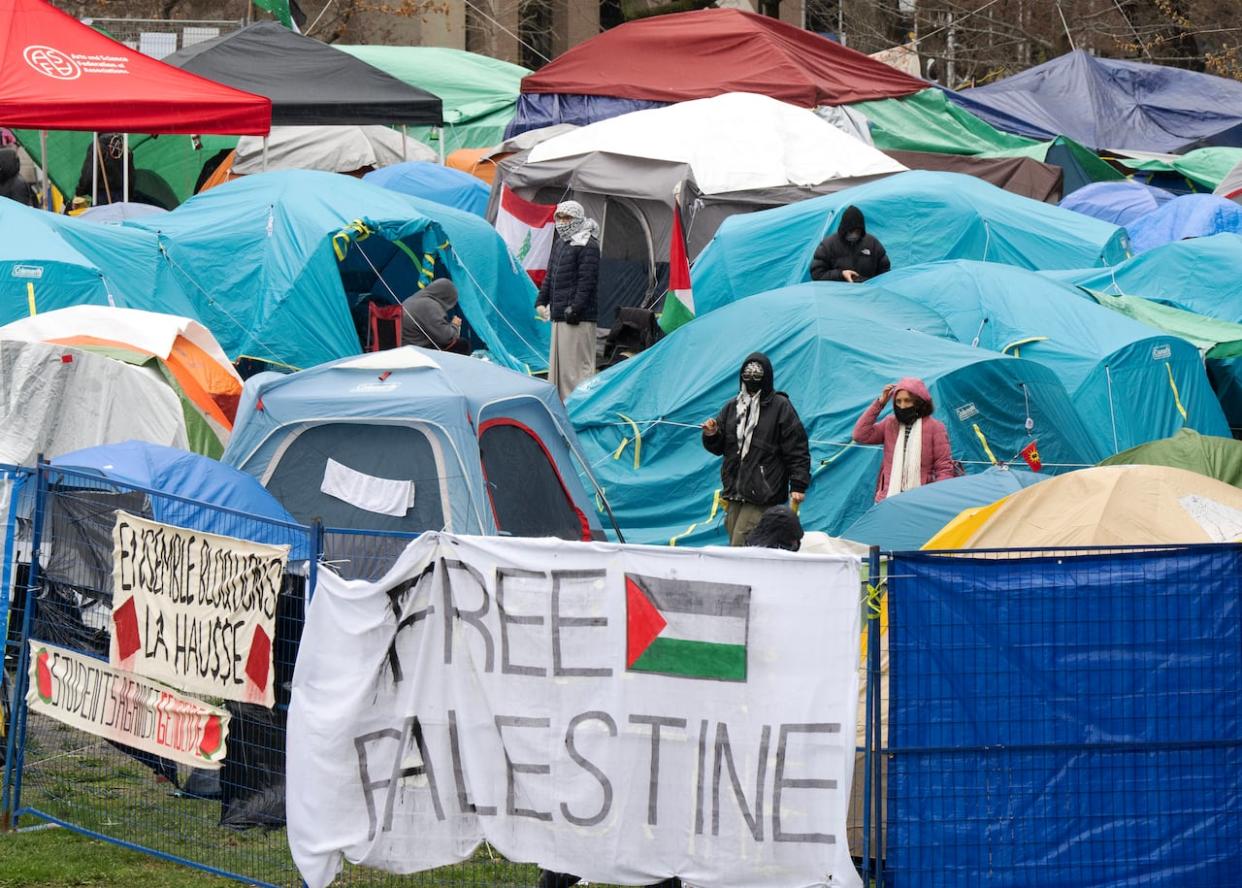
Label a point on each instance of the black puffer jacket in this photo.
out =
(570, 288)
(835, 254)
(779, 458)
(12, 185)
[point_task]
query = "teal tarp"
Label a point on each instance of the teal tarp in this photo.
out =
(68, 261)
(1129, 382)
(919, 216)
(259, 257)
(832, 357)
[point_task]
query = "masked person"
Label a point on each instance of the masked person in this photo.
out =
(568, 297)
(851, 254)
(916, 447)
(767, 460)
(425, 321)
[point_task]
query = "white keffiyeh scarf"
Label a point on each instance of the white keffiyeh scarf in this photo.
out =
(906, 472)
(747, 419)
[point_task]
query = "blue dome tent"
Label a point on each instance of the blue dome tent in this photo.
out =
(1188, 216)
(430, 181)
(919, 216)
(832, 357)
(281, 267)
(1118, 203)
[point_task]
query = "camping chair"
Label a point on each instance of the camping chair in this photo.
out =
(635, 329)
(383, 326)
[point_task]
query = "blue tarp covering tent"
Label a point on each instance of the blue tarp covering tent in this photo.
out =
(409, 440)
(832, 357)
(49, 261)
(1109, 103)
(911, 519)
(1191, 215)
(1118, 203)
(280, 266)
(194, 484)
(430, 181)
(1130, 383)
(919, 216)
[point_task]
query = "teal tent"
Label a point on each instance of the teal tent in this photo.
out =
(49, 261)
(638, 422)
(281, 267)
(1131, 383)
(920, 217)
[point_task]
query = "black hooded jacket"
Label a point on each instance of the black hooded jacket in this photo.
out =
(779, 528)
(12, 185)
(570, 286)
(779, 458)
(835, 255)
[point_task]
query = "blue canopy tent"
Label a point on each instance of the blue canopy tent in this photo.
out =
(199, 493)
(638, 422)
(911, 519)
(1110, 103)
(49, 261)
(430, 181)
(281, 267)
(1130, 383)
(1118, 203)
(408, 440)
(919, 216)
(1191, 215)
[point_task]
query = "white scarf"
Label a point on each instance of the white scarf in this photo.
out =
(906, 472)
(747, 419)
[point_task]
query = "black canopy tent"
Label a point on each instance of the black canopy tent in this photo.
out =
(310, 83)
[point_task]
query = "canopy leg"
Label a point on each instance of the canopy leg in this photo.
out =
(94, 168)
(265, 154)
(125, 167)
(45, 190)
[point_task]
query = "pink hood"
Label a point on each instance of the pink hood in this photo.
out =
(915, 386)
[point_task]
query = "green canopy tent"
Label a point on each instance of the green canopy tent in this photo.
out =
(1219, 458)
(479, 93)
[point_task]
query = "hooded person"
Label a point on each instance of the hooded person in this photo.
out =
(12, 185)
(425, 321)
(568, 297)
(779, 528)
(108, 182)
(850, 254)
(916, 446)
(766, 456)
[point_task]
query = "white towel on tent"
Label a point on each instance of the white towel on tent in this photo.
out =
(384, 496)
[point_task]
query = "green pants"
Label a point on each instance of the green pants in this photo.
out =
(740, 520)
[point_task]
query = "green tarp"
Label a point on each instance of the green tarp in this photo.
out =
(1205, 167)
(1219, 458)
(479, 93)
(1216, 338)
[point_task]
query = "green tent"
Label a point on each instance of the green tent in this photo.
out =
(1214, 337)
(1204, 168)
(479, 93)
(177, 160)
(1219, 458)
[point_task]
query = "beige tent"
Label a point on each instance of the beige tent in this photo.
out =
(1103, 506)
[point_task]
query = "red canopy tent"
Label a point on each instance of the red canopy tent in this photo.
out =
(696, 55)
(60, 74)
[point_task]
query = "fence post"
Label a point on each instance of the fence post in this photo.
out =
(316, 554)
(867, 584)
(15, 753)
(875, 714)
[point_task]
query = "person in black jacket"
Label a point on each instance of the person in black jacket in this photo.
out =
(109, 179)
(568, 297)
(12, 185)
(851, 254)
(767, 459)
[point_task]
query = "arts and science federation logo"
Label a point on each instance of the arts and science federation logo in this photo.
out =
(51, 62)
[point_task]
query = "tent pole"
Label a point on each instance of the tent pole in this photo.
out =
(405, 143)
(265, 154)
(125, 166)
(94, 168)
(45, 190)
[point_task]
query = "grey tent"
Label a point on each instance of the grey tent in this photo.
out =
(309, 82)
(1230, 187)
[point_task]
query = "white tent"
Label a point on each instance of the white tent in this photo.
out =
(332, 149)
(731, 142)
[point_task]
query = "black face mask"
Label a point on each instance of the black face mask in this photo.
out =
(853, 237)
(906, 415)
(753, 385)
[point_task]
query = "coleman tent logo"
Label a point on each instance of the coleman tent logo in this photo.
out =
(52, 63)
(686, 628)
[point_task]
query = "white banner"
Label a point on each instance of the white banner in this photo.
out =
(90, 695)
(622, 713)
(195, 610)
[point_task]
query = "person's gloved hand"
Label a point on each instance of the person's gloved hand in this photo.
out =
(543, 313)
(571, 316)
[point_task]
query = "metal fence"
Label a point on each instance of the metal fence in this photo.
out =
(162, 37)
(1029, 717)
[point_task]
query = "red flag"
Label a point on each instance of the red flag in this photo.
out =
(1030, 453)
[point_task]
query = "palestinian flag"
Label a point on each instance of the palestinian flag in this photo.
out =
(527, 229)
(686, 628)
(679, 302)
(287, 12)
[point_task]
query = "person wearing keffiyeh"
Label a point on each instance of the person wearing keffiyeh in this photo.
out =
(766, 456)
(568, 297)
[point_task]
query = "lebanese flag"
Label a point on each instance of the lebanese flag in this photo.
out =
(527, 229)
(679, 302)
(686, 628)
(1030, 453)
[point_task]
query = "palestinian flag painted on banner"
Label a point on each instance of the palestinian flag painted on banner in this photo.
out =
(686, 628)
(527, 229)
(679, 302)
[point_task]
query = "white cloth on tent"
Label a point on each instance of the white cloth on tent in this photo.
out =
(333, 149)
(384, 496)
(906, 473)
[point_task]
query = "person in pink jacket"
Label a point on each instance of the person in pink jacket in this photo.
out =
(916, 447)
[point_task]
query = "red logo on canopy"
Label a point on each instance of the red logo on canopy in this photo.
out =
(52, 63)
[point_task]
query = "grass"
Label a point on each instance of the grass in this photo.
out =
(58, 858)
